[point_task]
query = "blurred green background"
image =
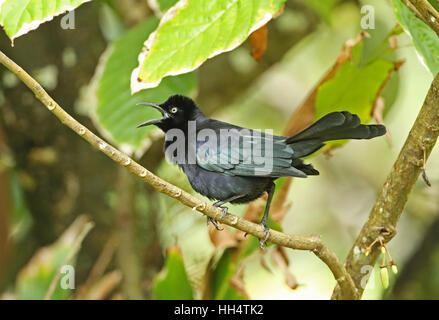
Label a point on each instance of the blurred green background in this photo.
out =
(145, 245)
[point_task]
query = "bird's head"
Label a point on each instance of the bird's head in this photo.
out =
(176, 112)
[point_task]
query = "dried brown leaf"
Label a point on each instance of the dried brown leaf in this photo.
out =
(281, 260)
(258, 42)
(222, 239)
(264, 264)
(237, 282)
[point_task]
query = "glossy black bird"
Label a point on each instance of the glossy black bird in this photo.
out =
(228, 172)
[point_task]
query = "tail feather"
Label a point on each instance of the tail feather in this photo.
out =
(303, 148)
(333, 126)
(305, 168)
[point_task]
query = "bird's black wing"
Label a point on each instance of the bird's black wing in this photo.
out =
(238, 151)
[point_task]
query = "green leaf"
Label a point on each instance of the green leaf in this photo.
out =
(424, 38)
(117, 114)
(220, 278)
(21, 220)
(18, 17)
(323, 8)
(35, 278)
(172, 282)
(354, 88)
(193, 31)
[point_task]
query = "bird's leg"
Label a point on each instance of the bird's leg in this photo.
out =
(215, 223)
(265, 217)
(219, 204)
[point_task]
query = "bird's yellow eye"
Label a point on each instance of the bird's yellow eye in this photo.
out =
(174, 110)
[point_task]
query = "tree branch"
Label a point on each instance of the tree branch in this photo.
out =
(406, 169)
(313, 244)
(393, 196)
(425, 12)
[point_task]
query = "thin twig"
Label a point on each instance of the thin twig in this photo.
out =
(313, 244)
(103, 261)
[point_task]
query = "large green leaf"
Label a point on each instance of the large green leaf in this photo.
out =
(117, 114)
(172, 282)
(354, 87)
(193, 31)
(424, 38)
(18, 17)
(354, 83)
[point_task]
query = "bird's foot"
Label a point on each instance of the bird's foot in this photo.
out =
(267, 234)
(224, 209)
(215, 223)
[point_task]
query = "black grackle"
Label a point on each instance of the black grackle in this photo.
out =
(233, 164)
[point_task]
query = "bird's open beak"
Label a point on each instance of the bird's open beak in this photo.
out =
(153, 121)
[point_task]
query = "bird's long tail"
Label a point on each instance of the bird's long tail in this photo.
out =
(333, 126)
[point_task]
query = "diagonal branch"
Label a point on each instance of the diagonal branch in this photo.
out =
(388, 207)
(424, 11)
(313, 244)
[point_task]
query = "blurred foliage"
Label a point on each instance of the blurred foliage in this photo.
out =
(201, 264)
(34, 280)
(172, 282)
(323, 8)
(355, 86)
(419, 277)
(424, 38)
(21, 219)
(164, 5)
(220, 288)
(115, 114)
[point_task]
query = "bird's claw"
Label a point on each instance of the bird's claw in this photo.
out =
(215, 223)
(267, 234)
(262, 241)
(224, 209)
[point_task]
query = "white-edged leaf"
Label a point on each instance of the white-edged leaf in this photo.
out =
(193, 31)
(18, 17)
